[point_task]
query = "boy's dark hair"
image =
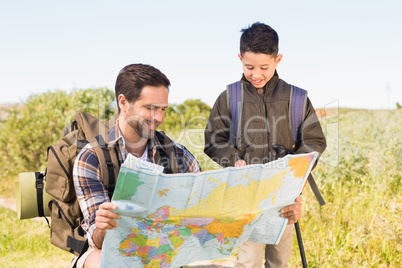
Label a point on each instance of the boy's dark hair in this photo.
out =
(134, 77)
(259, 38)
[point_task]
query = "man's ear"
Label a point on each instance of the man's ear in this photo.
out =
(123, 103)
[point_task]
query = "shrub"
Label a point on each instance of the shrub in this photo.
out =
(26, 132)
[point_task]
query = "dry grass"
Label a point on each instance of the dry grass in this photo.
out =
(360, 176)
(360, 225)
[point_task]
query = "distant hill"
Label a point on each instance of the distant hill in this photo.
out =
(334, 111)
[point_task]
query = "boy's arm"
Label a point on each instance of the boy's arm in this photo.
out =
(217, 134)
(312, 137)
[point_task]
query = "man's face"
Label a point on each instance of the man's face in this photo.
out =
(148, 112)
(259, 68)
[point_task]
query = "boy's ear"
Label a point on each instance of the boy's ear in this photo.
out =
(278, 59)
(239, 55)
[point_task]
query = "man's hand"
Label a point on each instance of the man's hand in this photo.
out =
(292, 212)
(240, 163)
(104, 220)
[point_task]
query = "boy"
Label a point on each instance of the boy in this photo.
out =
(264, 122)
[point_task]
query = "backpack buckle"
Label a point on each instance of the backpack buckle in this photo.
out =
(110, 165)
(39, 185)
(39, 181)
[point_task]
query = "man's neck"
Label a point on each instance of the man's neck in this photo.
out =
(138, 148)
(134, 144)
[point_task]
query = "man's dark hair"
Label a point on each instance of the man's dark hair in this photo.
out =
(259, 38)
(134, 77)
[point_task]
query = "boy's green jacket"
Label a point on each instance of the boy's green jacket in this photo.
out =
(264, 122)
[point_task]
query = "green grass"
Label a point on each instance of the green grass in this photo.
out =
(25, 243)
(360, 225)
(7, 186)
(360, 176)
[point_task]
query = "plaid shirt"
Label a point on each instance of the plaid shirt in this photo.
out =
(91, 192)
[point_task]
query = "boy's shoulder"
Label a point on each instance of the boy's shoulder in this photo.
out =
(280, 84)
(282, 91)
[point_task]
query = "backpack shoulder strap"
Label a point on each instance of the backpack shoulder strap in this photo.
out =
(108, 162)
(234, 94)
(298, 100)
(91, 125)
(169, 161)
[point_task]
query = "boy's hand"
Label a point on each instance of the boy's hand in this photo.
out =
(292, 212)
(240, 163)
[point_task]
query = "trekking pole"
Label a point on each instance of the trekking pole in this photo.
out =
(300, 242)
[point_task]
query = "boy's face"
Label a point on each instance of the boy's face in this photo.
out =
(259, 68)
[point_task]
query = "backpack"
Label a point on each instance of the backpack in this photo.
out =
(66, 216)
(297, 106)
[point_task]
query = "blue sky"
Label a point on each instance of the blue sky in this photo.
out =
(345, 53)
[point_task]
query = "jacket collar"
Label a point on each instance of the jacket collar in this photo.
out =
(269, 87)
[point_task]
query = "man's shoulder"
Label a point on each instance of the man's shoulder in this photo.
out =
(186, 160)
(87, 155)
(164, 141)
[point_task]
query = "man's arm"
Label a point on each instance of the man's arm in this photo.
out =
(187, 163)
(104, 220)
(217, 134)
(91, 195)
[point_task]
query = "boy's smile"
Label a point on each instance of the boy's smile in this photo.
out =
(259, 68)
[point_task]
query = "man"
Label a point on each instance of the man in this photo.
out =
(142, 97)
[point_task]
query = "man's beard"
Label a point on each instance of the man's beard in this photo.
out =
(140, 129)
